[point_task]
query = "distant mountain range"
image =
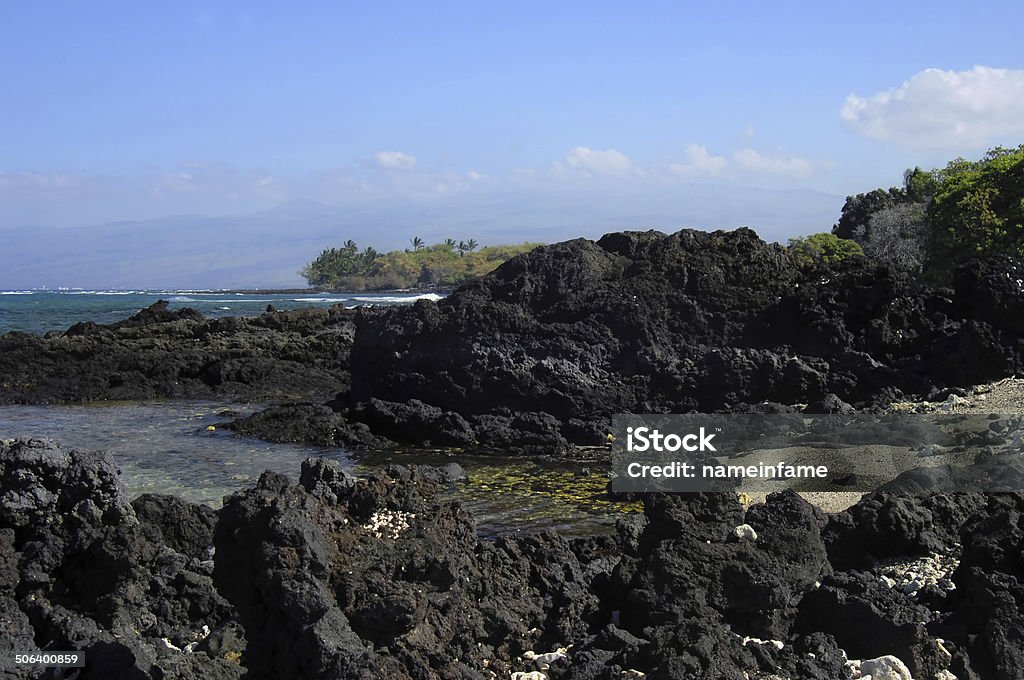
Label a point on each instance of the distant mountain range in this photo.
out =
(266, 249)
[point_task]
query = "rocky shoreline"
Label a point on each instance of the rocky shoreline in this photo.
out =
(538, 355)
(369, 578)
(162, 353)
(338, 577)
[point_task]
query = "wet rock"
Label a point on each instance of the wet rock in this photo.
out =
(413, 422)
(301, 422)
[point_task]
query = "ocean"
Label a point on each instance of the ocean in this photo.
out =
(39, 311)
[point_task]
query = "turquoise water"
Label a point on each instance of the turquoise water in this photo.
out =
(37, 311)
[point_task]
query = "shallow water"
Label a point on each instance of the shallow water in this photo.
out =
(164, 447)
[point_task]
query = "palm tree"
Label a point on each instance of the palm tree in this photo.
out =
(462, 247)
(471, 245)
(449, 243)
(417, 243)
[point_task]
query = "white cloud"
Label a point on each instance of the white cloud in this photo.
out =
(701, 162)
(938, 109)
(778, 164)
(395, 160)
(54, 185)
(744, 162)
(212, 180)
(608, 162)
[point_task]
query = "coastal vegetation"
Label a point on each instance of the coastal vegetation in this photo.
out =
(940, 218)
(825, 248)
(441, 265)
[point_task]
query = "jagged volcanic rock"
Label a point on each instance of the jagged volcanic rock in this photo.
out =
(990, 586)
(368, 578)
(543, 350)
(82, 570)
(373, 579)
(161, 353)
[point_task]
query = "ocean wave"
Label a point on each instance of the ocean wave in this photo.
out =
(16, 292)
(214, 301)
(393, 299)
(186, 291)
(312, 299)
(101, 292)
(233, 301)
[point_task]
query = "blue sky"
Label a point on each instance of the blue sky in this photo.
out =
(491, 114)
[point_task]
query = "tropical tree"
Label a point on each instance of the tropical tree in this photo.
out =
(439, 265)
(978, 209)
(824, 247)
(417, 243)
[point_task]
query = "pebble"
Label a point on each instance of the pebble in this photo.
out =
(909, 577)
(944, 653)
(777, 644)
(388, 523)
(953, 401)
(885, 668)
(745, 532)
(544, 661)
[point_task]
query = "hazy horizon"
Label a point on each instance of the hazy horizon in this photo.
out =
(224, 145)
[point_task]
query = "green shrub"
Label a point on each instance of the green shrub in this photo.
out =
(823, 248)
